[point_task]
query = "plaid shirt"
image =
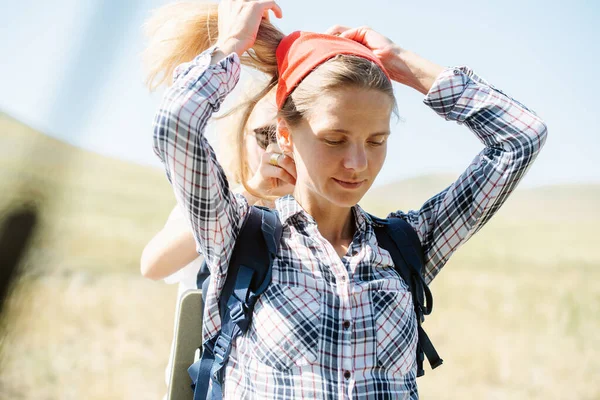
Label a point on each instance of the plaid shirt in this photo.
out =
(328, 327)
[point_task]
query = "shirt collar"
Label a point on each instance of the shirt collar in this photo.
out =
(288, 207)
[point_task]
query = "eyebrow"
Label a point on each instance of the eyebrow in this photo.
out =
(344, 131)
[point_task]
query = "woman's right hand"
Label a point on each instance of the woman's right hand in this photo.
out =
(239, 21)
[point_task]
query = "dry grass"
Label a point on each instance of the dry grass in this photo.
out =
(88, 336)
(516, 315)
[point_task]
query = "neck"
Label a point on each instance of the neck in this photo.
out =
(335, 223)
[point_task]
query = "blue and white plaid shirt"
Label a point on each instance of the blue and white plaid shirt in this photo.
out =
(328, 327)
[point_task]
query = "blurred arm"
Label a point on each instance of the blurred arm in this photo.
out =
(174, 247)
(171, 249)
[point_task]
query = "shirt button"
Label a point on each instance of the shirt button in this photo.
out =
(343, 279)
(346, 324)
(347, 374)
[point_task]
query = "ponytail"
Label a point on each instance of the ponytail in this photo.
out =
(180, 31)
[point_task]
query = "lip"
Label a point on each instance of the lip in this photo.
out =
(349, 184)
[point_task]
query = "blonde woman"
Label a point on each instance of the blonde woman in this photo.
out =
(173, 247)
(337, 320)
(171, 254)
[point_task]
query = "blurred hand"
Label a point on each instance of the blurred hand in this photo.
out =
(239, 21)
(364, 35)
(385, 49)
(271, 180)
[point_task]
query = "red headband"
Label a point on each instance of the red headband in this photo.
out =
(301, 52)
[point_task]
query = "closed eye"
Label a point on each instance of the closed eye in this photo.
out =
(265, 135)
(333, 142)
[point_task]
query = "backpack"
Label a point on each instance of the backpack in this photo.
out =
(249, 274)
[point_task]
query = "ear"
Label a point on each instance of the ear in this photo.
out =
(284, 136)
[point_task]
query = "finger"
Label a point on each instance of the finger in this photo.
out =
(336, 29)
(269, 157)
(266, 16)
(285, 177)
(273, 148)
(356, 34)
(271, 5)
(270, 171)
(288, 164)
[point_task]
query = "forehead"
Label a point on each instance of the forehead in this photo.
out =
(264, 113)
(352, 109)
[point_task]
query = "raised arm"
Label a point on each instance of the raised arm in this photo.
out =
(199, 183)
(512, 135)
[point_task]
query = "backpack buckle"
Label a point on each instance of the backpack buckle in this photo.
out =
(222, 347)
(238, 312)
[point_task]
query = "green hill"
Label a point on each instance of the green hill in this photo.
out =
(550, 226)
(98, 212)
(573, 201)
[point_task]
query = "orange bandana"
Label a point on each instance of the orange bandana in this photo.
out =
(301, 52)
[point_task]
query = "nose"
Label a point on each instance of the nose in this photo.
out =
(356, 158)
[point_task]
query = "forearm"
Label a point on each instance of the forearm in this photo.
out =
(168, 252)
(498, 121)
(410, 69)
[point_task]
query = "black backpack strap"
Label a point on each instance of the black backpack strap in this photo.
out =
(248, 275)
(402, 242)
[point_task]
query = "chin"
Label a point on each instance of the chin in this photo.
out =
(345, 199)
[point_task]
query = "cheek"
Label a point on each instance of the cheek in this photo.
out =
(253, 154)
(378, 158)
(316, 160)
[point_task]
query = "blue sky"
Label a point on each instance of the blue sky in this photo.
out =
(72, 69)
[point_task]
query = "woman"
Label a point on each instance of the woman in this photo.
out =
(337, 320)
(171, 254)
(247, 148)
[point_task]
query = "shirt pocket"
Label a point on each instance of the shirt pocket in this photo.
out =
(286, 327)
(396, 326)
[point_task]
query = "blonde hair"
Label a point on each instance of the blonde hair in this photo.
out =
(180, 31)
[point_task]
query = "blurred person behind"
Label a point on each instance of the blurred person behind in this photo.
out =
(254, 164)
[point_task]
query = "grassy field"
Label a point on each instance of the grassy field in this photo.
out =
(517, 310)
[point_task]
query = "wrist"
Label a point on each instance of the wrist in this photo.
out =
(230, 45)
(412, 70)
(222, 50)
(252, 199)
(392, 59)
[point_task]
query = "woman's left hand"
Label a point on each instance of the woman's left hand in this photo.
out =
(403, 66)
(380, 45)
(376, 42)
